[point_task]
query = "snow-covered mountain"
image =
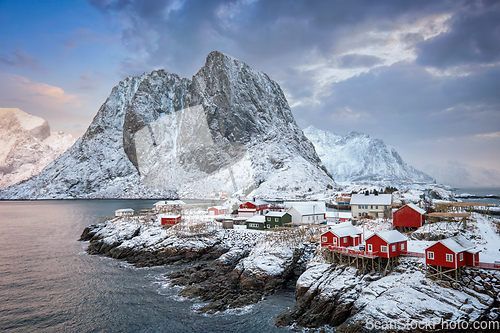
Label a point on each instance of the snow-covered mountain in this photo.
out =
(357, 158)
(229, 129)
(27, 145)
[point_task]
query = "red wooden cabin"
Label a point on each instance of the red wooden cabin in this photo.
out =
(251, 208)
(388, 244)
(167, 219)
(343, 236)
(409, 215)
(453, 252)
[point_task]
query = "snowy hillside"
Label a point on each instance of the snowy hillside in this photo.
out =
(27, 145)
(229, 129)
(358, 158)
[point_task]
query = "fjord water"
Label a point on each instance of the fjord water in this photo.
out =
(49, 284)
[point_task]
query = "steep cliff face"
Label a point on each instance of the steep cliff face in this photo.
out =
(27, 145)
(229, 129)
(357, 157)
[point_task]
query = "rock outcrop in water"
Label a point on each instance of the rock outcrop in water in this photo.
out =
(229, 129)
(235, 268)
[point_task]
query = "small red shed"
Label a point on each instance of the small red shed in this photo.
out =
(388, 244)
(217, 210)
(342, 236)
(409, 215)
(167, 219)
(453, 252)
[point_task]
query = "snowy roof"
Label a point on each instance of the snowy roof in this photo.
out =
(257, 219)
(309, 209)
(217, 207)
(416, 208)
(345, 230)
(257, 202)
(372, 199)
(390, 236)
(457, 243)
(276, 214)
(124, 210)
(169, 216)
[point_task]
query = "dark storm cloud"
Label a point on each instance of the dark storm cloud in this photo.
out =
(175, 34)
(473, 37)
(407, 101)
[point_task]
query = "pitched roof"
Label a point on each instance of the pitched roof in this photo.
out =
(257, 219)
(276, 214)
(289, 204)
(169, 216)
(390, 236)
(257, 202)
(457, 243)
(310, 209)
(363, 199)
(415, 208)
(345, 230)
(217, 207)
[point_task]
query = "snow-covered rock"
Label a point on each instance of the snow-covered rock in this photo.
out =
(27, 145)
(229, 129)
(358, 158)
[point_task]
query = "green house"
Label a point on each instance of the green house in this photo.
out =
(277, 219)
(256, 222)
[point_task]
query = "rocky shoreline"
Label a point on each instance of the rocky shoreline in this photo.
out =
(235, 268)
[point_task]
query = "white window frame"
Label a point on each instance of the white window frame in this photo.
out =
(402, 246)
(275, 219)
(430, 255)
(383, 248)
(334, 240)
(449, 257)
(394, 248)
(268, 226)
(461, 256)
(345, 239)
(269, 219)
(324, 239)
(370, 247)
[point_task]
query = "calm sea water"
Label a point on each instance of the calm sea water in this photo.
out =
(49, 284)
(481, 192)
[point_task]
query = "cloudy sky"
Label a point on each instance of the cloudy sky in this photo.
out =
(424, 76)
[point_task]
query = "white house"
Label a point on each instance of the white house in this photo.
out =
(312, 212)
(124, 212)
(374, 205)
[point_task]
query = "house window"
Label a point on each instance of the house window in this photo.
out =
(324, 239)
(430, 255)
(359, 214)
(345, 239)
(309, 218)
(244, 206)
(268, 226)
(376, 207)
(393, 248)
(275, 219)
(371, 207)
(269, 219)
(334, 241)
(449, 257)
(402, 246)
(383, 248)
(370, 248)
(254, 225)
(461, 256)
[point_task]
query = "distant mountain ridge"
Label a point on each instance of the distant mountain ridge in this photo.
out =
(229, 129)
(357, 158)
(27, 145)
